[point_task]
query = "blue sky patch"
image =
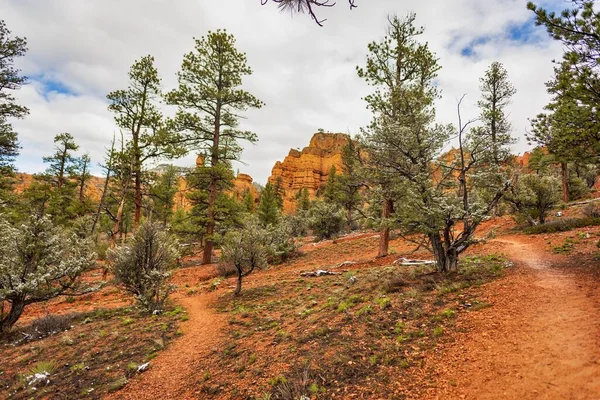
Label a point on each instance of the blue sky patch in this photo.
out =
(50, 85)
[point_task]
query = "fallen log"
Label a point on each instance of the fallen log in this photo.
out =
(406, 261)
(319, 272)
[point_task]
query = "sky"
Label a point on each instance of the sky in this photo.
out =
(80, 50)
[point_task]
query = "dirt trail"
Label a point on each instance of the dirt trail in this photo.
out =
(171, 374)
(540, 340)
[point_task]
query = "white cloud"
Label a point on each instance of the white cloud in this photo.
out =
(305, 74)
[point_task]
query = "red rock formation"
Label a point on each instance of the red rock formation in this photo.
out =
(309, 168)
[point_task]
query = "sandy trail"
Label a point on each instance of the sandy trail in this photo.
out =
(540, 340)
(172, 374)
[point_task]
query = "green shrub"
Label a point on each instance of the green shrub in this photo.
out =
(144, 264)
(326, 220)
(562, 225)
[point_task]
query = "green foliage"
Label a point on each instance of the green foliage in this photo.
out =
(269, 209)
(226, 211)
(248, 201)
(245, 250)
(569, 129)
(533, 196)
(539, 161)
(303, 200)
(326, 220)
(38, 262)
(563, 225)
(210, 102)
(163, 188)
(418, 187)
(144, 264)
(331, 190)
(11, 47)
(496, 93)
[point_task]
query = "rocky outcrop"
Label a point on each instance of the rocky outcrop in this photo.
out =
(241, 184)
(308, 168)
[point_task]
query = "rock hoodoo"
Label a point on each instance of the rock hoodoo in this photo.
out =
(310, 167)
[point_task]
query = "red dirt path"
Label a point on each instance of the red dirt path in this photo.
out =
(540, 340)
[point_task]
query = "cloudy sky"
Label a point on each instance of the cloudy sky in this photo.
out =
(80, 50)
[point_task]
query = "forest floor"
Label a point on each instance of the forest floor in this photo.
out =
(522, 330)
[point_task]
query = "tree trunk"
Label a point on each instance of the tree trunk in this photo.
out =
(210, 225)
(137, 198)
(238, 286)
(214, 161)
(117, 226)
(384, 238)
(446, 260)
(16, 309)
(102, 200)
(565, 181)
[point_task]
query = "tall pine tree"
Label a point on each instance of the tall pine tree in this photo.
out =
(210, 101)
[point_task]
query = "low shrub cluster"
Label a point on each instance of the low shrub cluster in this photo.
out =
(562, 225)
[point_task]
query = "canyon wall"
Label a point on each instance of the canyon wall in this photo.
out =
(308, 168)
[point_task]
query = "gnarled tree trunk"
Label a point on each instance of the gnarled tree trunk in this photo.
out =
(384, 238)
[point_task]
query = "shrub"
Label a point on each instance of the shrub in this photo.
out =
(532, 196)
(298, 223)
(281, 243)
(326, 220)
(38, 262)
(578, 188)
(144, 264)
(592, 210)
(562, 225)
(245, 250)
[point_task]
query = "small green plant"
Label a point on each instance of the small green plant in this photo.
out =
(364, 310)
(383, 302)
(566, 248)
(438, 331)
(449, 313)
(373, 360)
(117, 384)
(43, 367)
(206, 376)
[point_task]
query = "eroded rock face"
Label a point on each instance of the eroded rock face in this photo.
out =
(308, 168)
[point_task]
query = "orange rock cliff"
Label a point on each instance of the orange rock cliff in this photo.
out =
(310, 167)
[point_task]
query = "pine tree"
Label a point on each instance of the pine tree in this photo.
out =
(137, 113)
(268, 207)
(350, 182)
(56, 192)
(10, 80)
(162, 193)
(82, 177)
(303, 200)
(404, 146)
(331, 191)
(402, 71)
(248, 201)
(210, 101)
(496, 93)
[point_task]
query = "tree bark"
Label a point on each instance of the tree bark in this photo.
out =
(238, 286)
(384, 238)
(565, 181)
(102, 200)
(210, 225)
(16, 309)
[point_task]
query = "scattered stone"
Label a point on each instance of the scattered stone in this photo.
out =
(143, 368)
(37, 378)
(352, 279)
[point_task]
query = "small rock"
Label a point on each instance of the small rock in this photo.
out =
(143, 367)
